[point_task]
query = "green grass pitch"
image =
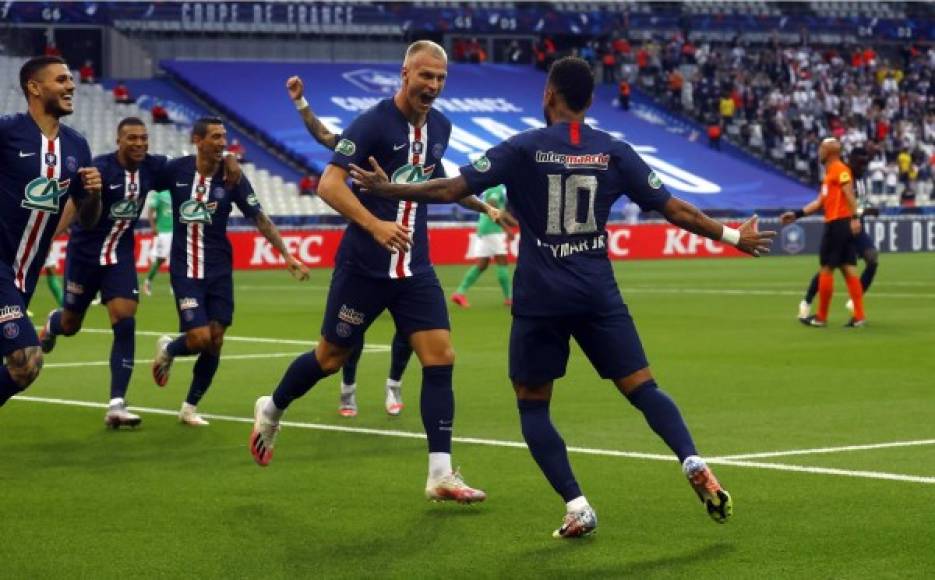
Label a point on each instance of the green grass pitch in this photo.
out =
(80, 501)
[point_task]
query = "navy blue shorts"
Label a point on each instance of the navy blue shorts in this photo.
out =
(863, 242)
(16, 330)
(202, 301)
(354, 302)
(539, 346)
(84, 279)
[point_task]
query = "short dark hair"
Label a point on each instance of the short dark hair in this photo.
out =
(200, 128)
(34, 65)
(135, 121)
(572, 78)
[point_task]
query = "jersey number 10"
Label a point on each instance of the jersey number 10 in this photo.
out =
(567, 198)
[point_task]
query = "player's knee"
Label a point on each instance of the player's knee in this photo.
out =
(872, 256)
(24, 365)
(217, 341)
(331, 357)
(71, 323)
(198, 341)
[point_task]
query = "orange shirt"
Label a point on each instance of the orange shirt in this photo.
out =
(833, 199)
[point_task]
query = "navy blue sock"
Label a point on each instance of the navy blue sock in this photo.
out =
(547, 447)
(866, 277)
(301, 376)
(812, 289)
(202, 375)
(349, 370)
(8, 387)
(55, 322)
(177, 347)
(437, 404)
(121, 357)
(400, 352)
(664, 417)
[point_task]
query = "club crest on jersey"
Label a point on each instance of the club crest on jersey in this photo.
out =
(43, 194)
(197, 212)
(345, 147)
(218, 192)
(71, 163)
(10, 330)
(412, 173)
(125, 209)
(481, 164)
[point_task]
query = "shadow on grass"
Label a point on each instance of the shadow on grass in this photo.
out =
(555, 560)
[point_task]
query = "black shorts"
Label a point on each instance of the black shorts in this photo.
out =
(838, 246)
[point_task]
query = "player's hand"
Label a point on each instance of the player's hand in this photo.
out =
(232, 171)
(369, 180)
(504, 219)
(90, 179)
(855, 226)
(295, 87)
(392, 236)
(787, 217)
(752, 241)
(298, 270)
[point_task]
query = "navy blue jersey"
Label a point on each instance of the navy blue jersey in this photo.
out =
(562, 180)
(408, 154)
(37, 176)
(122, 197)
(201, 207)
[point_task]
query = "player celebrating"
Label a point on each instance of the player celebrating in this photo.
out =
(400, 350)
(44, 165)
(160, 222)
(838, 250)
(563, 180)
(490, 242)
(200, 267)
(864, 245)
(379, 266)
(100, 259)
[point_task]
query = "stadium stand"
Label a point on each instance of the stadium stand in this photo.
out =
(486, 104)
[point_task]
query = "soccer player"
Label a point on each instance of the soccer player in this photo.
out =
(380, 266)
(838, 248)
(400, 353)
(100, 260)
(200, 268)
(490, 242)
(400, 350)
(43, 165)
(563, 180)
(160, 222)
(864, 245)
(50, 269)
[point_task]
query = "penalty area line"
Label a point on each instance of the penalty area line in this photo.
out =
(510, 444)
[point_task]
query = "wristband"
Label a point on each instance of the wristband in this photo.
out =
(730, 236)
(300, 103)
(799, 213)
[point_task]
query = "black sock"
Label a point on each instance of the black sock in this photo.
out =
(437, 404)
(547, 447)
(664, 417)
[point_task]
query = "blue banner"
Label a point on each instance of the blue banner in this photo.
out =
(486, 104)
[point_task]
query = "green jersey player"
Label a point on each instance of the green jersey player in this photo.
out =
(490, 241)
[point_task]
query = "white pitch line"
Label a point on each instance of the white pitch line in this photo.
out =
(252, 339)
(511, 444)
(184, 359)
(817, 450)
(662, 290)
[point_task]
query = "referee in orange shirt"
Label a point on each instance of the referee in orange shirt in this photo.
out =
(838, 248)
